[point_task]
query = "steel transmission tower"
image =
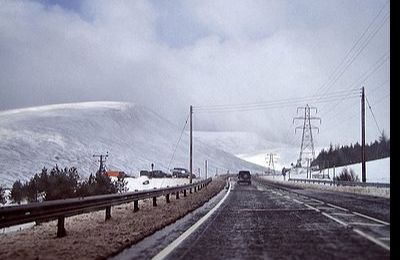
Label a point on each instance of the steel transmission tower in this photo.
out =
(271, 162)
(307, 141)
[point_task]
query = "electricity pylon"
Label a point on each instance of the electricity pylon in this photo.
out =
(307, 142)
(271, 161)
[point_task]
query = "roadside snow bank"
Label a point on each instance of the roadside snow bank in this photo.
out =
(146, 183)
(372, 191)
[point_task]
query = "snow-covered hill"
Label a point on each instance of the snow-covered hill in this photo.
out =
(251, 147)
(70, 134)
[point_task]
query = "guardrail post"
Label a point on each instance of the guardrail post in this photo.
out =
(135, 205)
(154, 201)
(184, 193)
(195, 189)
(190, 190)
(177, 195)
(108, 212)
(60, 227)
(167, 198)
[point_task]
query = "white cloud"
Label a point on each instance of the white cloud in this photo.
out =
(242, 18)
(244, 52)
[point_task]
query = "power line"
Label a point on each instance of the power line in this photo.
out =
(180, 137)
(339, 70)
(379, 63)
(376, 122)
(273, 104)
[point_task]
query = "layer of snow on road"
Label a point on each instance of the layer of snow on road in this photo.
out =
(70, 134)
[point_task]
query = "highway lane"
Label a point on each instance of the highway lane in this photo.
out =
(377, 207)
(261, 222)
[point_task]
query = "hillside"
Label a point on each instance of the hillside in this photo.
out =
(70, 134)
(251, 147)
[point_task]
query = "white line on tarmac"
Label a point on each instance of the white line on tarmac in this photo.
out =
(366, 224)
(372, 239)
(371, 218)
(298, 201)
(311, 207)
(342, 214)
(163, 253)
(335, 219)
(337, 207)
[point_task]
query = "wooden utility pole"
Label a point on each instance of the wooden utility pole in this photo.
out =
(206, 168)
(363, 165)
(191, 144)
(101, 160)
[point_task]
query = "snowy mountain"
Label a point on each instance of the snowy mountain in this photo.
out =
(70, 134)
(251, 147)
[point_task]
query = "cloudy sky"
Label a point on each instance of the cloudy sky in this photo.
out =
(260, 59)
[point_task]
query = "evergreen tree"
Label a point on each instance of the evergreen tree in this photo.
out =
(17, 193)
(2, 195)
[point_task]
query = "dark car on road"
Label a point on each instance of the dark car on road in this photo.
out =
(180, 173)
(244, 177)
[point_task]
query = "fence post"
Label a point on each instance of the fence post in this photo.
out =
(167, 198)
(154, 201)
(135, 205)
(60, 227)
(108, 212)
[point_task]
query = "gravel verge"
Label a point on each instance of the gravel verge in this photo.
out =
(89, 236)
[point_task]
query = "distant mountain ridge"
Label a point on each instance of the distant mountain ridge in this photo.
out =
(70, 134)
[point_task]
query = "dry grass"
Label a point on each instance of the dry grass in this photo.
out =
(89, 236)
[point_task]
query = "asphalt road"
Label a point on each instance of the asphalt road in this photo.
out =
(263, 222)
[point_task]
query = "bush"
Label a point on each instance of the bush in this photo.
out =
(17, 193)
(62, 184)
(2, 195)
(347, 175)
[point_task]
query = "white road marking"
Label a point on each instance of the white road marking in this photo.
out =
(337, 207)
(372, 239)
(366, 224)
(318, 201)
(311, 207)
(298, 201)
(163, 253)
(371, 218)
(249, 210)
(335, 219)
(343, 214)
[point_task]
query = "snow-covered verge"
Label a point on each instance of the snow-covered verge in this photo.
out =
(145, 183)
(376, 171)
(90, 237)
(373, 191)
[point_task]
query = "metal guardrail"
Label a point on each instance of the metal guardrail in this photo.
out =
(60, 209)
(344, 183)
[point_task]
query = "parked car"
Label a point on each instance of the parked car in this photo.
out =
(244, 177)
(158, 174)
(145, 173)
(180, 173)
